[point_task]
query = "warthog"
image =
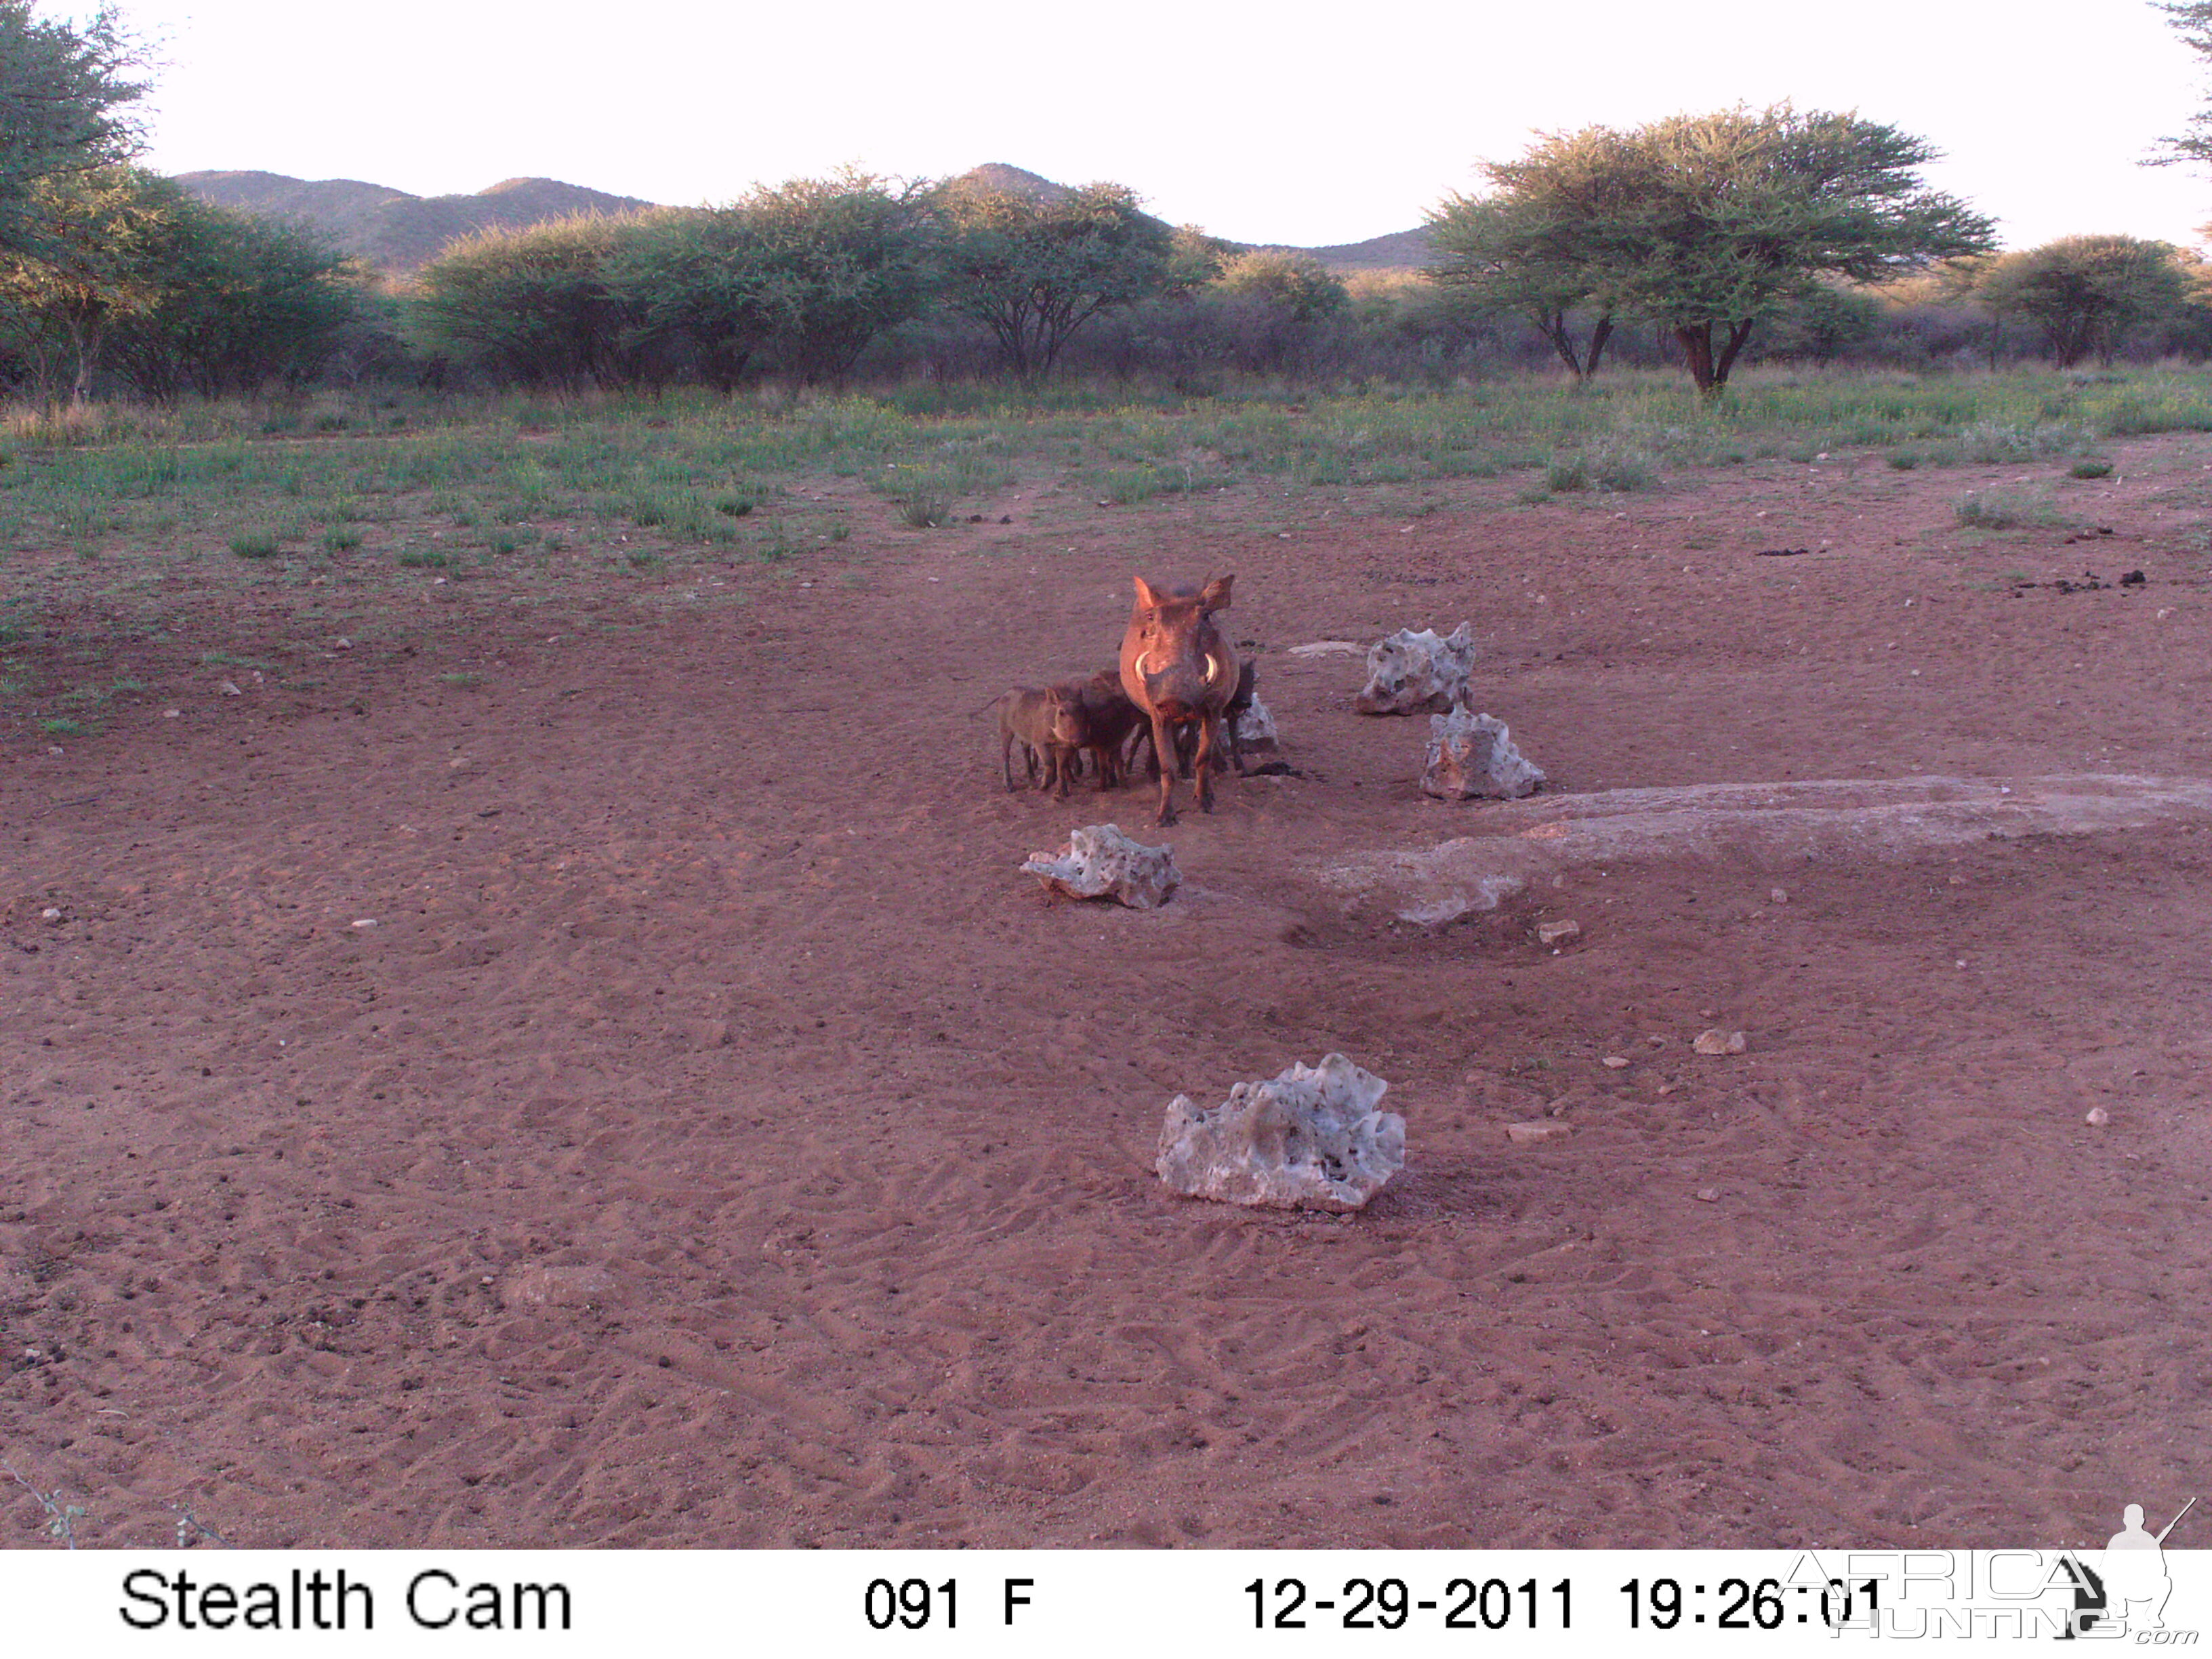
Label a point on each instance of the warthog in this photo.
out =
(1050, 726)
(1113, 718)
(1180, 673)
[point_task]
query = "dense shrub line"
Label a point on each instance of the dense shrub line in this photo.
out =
(139, 290)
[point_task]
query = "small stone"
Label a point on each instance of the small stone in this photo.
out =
(1715, 1041)
(1615, 1062)
(1553, 934)
(1657, 1042)
(1099, 861)
(1327, 648)
(341, 643)
(1526, 1134)
(2098, 1117)
(1312, 1137)
(229, 691)
(365, 921)
(1665, 1088)
(540, 1285)
(1778, 894)
(50, 913)
(172, 714)
(1709, 1194)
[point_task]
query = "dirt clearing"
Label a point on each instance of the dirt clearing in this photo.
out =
(587, 1071)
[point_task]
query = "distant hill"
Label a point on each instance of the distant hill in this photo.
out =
(1016, 182)
(396, 232)
(391, 230)
(1402, 250)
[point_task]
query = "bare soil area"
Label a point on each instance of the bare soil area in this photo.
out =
(587, 1072)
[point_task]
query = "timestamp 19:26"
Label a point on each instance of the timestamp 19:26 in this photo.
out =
(1390, 1604)
(1740, 1604)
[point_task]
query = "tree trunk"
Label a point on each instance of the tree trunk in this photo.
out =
(1599, 335)
(1738, 334)
(1710, 372)
(1697, 340)
(1552, 325)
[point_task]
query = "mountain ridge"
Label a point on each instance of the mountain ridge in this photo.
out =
(400, 233)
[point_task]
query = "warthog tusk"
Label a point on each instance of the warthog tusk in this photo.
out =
(1212, 668)
(1144, 664)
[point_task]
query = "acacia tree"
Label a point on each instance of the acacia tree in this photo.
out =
(1705, 224)
(1526, 246)
(2192, 20)
(236, 301)
(843, 259)
(62, 90)
(539, 304)
(2086, 293)
(1035, 270)
(99, 238)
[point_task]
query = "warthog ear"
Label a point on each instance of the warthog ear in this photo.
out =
(1215, 594)
(1146, 598)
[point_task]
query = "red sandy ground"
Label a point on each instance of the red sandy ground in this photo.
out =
(716, 1142)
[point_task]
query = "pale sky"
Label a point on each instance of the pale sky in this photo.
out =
(1283, 123)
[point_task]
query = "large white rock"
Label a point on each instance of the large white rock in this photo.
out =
(1409, 671)
(1310, 1138)
(1472, 756)
(1101, 862)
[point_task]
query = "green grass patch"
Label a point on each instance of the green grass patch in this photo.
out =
(2006, 509)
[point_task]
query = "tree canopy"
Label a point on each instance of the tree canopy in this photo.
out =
(63, 90)
(2086, 293)
(1703, 224)
(1035, 269)
(2192, 22)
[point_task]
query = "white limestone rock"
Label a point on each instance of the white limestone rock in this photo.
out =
(1101, 862)
(1310, 1138)
(1472, 756)
(1408, 672)
(1255, 728)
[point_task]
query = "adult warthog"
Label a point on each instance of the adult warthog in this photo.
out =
(1180, 673)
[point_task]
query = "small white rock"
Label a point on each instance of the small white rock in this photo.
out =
(1525, 1134)
(1714, 1041)
(365, 921)
(1553, 934)
(1615, 1062)
(1709, 1194)
(1778, 894)
(2098, 1117)
(229, 691)
(172, 714)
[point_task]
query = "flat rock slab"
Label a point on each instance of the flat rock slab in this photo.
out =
(1515, 843)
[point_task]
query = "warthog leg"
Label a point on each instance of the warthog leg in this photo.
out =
(1164, 745)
